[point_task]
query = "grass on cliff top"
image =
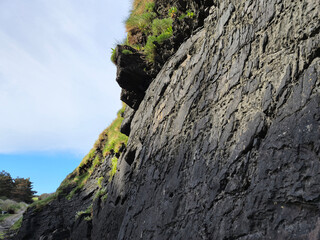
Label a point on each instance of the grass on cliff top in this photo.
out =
(39, 204)
(144, 18)
(109, 141)
(161, 31)
(155, 28)
(141, 13)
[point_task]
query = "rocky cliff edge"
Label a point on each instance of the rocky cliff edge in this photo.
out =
(224, 144)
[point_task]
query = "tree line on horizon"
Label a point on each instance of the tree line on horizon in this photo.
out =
(18, 189)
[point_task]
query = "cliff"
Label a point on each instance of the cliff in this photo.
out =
(223, 137)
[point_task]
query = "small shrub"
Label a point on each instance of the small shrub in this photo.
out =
(190, 14)
(173, 12)
(150, 48)
(160, 26)
(163, 30)
(149, 7)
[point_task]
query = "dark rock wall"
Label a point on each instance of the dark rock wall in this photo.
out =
(58, 219)
(225, 144)
(226, 140)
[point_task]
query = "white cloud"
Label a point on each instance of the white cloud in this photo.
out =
(57, 84)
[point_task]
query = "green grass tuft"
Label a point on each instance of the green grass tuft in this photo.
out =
(173, 12)
(156, 30)
(38, 205)
(162, 30)
(189, 14)
(142, 21)
(100, 179)
(16, 226)
(104, 197)
(114, 163)
(100, 193)
(109, 141)
(86, 212)
(160, 26)
(96, 161)
(113, 55)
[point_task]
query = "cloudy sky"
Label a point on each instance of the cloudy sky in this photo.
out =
(57, 83)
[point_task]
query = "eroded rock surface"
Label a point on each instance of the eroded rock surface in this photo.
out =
(132, 75)
(225, 143)
(226, 140)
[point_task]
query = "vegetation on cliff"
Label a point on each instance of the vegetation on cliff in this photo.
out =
(148, 28)
(110, 141)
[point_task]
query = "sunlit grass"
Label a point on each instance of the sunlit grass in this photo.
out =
(16, 226)
(38, 205)
(114, 163)
(109, 142)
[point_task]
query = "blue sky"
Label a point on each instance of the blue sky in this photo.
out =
(57, 84)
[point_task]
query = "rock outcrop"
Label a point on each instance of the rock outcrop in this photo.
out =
(132, 75)
(225, 142)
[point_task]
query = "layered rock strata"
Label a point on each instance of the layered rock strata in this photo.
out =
(225, 143)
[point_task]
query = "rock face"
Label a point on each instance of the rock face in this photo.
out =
(225, 143)
(131, 75)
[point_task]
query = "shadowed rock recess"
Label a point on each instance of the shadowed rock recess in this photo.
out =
(225, 142)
